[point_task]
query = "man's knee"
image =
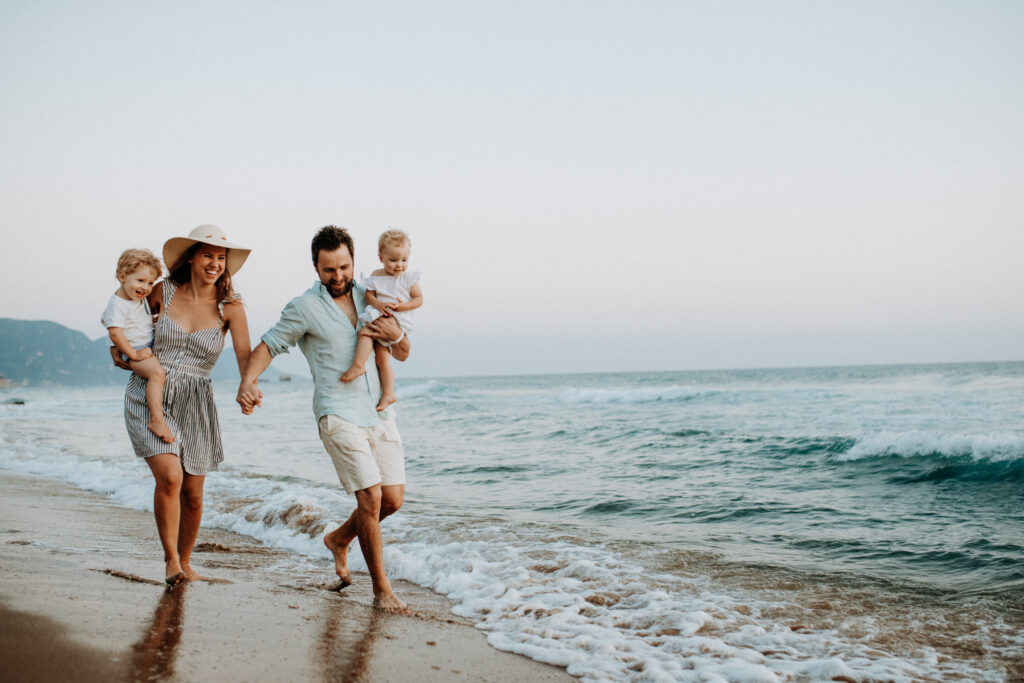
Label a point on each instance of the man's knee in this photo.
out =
(390, 503)
(368, 500)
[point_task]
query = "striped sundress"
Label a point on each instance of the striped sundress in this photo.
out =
(188, 394)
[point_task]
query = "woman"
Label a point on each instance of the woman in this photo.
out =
(197, 307)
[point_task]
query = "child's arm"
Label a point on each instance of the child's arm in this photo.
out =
(121, 342)
(371, 298)
(414, 302)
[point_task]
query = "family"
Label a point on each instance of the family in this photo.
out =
(338, 324)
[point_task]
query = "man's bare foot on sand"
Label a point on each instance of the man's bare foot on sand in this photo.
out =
(386, 399)
(352, 373)
(173, 573)
(160, 428)
(389, 602)
(340, 553)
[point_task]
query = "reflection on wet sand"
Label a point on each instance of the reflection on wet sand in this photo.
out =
(346, 644)
(153, 655)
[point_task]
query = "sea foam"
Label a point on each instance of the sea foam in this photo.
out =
(999, 447)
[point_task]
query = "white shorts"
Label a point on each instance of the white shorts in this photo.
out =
(364, 456)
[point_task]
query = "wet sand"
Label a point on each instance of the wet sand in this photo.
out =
(82, 598)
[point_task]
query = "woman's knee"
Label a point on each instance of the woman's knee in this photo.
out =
(168, 482)
(192, 496)
(191, 500)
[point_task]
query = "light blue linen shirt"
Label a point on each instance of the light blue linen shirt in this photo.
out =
(328, 341)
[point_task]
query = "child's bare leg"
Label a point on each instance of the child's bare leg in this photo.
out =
(387, 376)
(364, 347)
(151, 370)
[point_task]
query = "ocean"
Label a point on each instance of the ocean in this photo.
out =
(850, 523)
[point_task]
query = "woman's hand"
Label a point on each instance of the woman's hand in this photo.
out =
(249, 397)
(120, 362)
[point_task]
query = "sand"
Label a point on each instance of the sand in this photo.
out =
(82, 598)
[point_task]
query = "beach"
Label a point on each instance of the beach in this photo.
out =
(82, 598)
(746, 525)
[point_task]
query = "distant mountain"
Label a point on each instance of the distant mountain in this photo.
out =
(45, 353)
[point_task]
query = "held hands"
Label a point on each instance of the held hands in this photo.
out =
(249, 397)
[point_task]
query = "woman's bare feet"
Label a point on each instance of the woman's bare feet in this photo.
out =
(389, 602)
(352, 373)
(173, 573)
(340, 552)
(160, 428)
(192, 574)
(386, 399)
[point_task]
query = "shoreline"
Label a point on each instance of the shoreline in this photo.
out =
(82, 598)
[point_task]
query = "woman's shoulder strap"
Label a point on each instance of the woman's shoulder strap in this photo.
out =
(235, 297)
(169, 287)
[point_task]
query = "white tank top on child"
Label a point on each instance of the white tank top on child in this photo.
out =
(131, 316)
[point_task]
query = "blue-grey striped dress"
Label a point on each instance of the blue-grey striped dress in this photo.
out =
(188, 394)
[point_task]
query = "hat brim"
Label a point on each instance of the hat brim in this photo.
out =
(175, 248)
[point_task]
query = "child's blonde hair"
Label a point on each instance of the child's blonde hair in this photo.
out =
(133, 259)
(395, 237)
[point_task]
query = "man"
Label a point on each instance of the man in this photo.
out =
(363, 444)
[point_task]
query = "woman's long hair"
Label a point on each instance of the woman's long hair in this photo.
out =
(181, 273)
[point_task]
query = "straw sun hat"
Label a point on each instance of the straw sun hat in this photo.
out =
(175, 248)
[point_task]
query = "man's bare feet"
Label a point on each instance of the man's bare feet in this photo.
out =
(386, 399)
(389, 602)
(173, 573)
(352, 373)
(160, 428)
(340, 552)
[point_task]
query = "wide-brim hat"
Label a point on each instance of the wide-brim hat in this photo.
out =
(175, 248)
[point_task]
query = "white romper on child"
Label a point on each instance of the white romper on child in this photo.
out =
(391, 288)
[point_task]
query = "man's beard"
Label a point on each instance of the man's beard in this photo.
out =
(339, 290)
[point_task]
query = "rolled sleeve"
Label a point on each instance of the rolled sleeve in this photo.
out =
(288, 330)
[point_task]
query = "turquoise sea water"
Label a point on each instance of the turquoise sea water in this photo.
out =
(794, 524)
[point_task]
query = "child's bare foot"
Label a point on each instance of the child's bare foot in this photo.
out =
(389, 602)
(340, 552)
(386, 399)
(352, 373)
(160, 428)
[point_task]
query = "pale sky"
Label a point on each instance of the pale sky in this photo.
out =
(589, 186)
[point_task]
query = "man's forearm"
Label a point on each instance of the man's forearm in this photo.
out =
(400, 351)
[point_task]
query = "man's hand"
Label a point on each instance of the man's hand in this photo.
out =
(249, 397)
(115, 356)
(385, 329)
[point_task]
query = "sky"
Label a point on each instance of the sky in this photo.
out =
(589, 186)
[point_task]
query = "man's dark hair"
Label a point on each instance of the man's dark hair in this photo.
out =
(330, 238)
